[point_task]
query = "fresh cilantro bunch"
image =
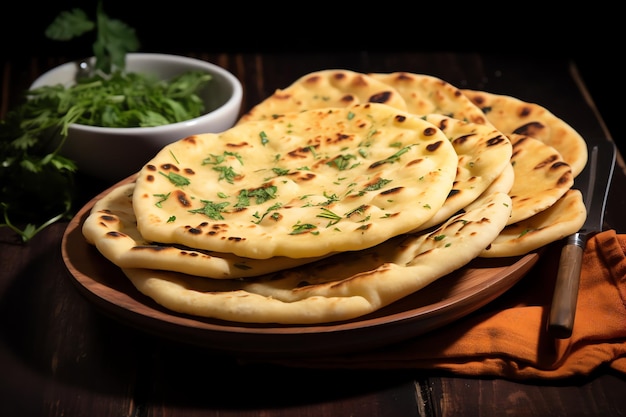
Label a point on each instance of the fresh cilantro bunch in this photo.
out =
(37, 184)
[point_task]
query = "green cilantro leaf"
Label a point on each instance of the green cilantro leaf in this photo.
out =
(69, 25)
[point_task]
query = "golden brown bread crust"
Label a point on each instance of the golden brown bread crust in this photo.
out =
(511, 115)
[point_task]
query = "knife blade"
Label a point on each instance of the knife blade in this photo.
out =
(594, 184)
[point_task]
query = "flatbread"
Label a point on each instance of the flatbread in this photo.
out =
(340, 195)
(323, 89)
(112, 228)
(563, 218)
(541, 177)
(303, 185)
(512, 115)
(425, 94)
(341, 287)
(503, 183)
(483, 153)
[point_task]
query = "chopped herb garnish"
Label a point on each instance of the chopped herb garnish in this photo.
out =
(176, 179)
(300, 228)
(280, 171)
(162, 197)
(264, 139)
(311, 148)
(226, 173)
(330, 199)
(218, 159)
(274, 216)
(341, 162)
(376, 186)
(260, 195)
(393, 158)
(327, 214)
(211, 210)
(359, 210)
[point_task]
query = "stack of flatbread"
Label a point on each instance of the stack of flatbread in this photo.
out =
(339, 195)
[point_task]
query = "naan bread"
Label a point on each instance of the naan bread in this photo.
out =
(341, 287)
(483, 153)
(323, 89)
(112, 228)
(425, 94)
(541, 177)
(512, 115)
(314, 207)
(563, 218)
(504, 182)
(303, 185)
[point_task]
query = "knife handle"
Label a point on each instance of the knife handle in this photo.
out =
(565, 296)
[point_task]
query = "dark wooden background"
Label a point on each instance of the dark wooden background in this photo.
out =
(588, 33)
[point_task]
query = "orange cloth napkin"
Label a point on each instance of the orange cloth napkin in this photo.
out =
(508, 337)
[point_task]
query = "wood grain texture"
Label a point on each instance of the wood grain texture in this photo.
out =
(507, 398)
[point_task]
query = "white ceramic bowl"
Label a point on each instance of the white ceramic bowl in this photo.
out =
(113, 154)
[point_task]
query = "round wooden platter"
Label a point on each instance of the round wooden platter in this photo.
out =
(442, 302)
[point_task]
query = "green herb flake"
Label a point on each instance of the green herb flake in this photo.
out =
(219, 159)
(176, 179)
(280, 171)
(379, 184)
(327, 214)
(358, 210)
(162, 198)
(300, 228)
(261, 195)
(174, 156)
(226, 173)
(264, 139)
(342, 162)
(211, 210)
(274, 216)
(393, 158)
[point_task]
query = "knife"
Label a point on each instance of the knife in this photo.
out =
(594, 183)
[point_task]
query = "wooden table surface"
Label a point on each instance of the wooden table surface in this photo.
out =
(60, 356)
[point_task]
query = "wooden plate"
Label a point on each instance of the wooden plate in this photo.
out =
(447, 299)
